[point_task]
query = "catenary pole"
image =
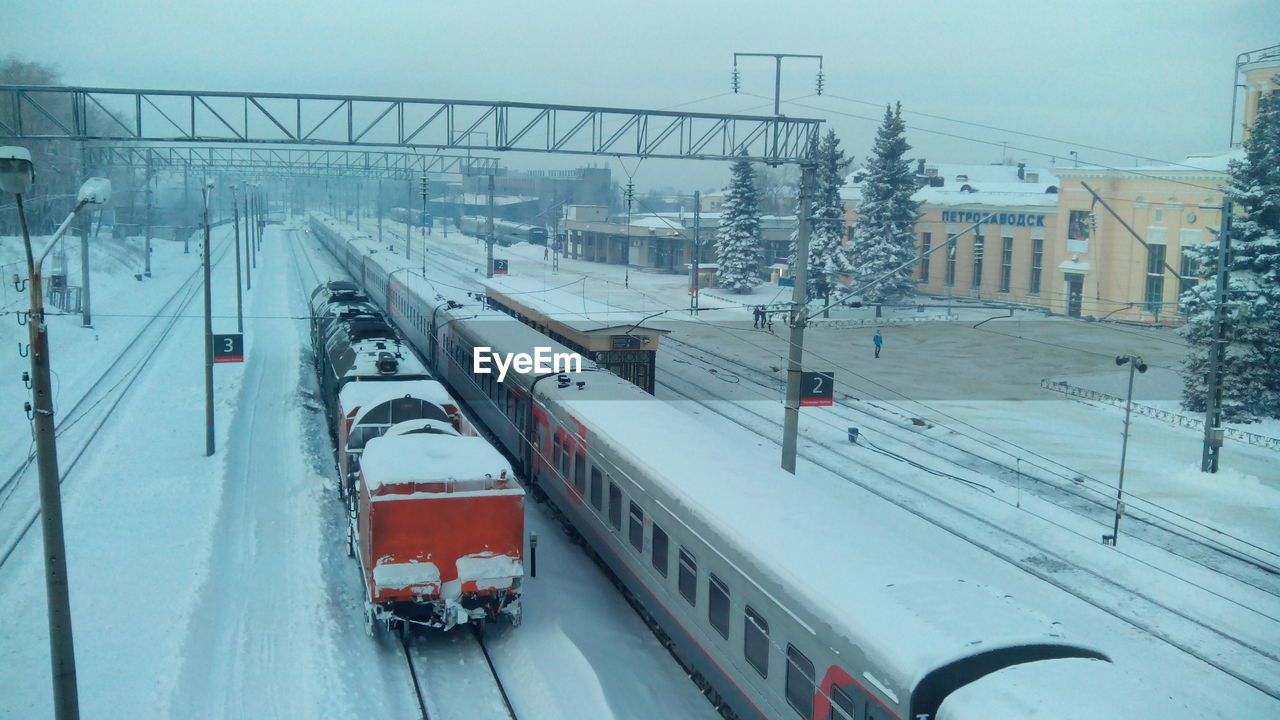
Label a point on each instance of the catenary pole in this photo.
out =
(1213, 432)
(62, 656)
(488, 233)
(697, 249)
(146, 233)
(799, 317)
(86, 313)
(235, 209)
(208, 333)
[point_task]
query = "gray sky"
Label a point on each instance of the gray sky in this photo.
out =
(1146, 77)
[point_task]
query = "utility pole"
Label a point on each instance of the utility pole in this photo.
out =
(426, 189)
(488, 239)
(697, 250)
(208, 331)
(408, 199)
(1213, 432)
(186, 208)
(86, 313)
(235, 209)
(379, 211)
(248, 236)
(1135, 363)
(146, 239)
(626, 272)
(799, 317)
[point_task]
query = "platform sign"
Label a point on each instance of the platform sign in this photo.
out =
(817, 389)
(228, 348)
(499, 266)
(625, 342)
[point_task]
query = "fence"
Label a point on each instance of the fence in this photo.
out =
(1169, 416)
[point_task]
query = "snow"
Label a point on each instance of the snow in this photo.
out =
(369, 394)
(462, 463)
(400, 575)
(489, 570)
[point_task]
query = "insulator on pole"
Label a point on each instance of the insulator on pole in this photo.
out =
(820, 81)
(736, 84)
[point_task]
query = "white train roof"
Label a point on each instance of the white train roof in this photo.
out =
(370, 393)
(857, 561)
(464, 461)
(367, 352)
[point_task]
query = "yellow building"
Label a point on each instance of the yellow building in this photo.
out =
(1258, 69)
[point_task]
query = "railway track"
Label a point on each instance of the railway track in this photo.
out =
(1249, 659)
(1090, 499)
(77, 427)
(456, 661)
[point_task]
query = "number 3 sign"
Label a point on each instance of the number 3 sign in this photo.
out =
(228, 348)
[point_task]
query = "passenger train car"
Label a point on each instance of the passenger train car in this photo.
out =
(783, 596)
(435, 514)
(505, 232)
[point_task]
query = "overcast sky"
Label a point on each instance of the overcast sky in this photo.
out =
(1153, 78)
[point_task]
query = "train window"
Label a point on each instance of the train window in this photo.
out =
(718, 605)
(659, 550)
(615, 507)
(688, 579)
(564, 461)
(580, 473)
(597, 489)
(755, 641)
(555, 451)
(842, 706)
(377, 415)
(636, 528)
(799, 682)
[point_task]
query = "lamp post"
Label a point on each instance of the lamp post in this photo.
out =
(17, 174)
(1135, 363)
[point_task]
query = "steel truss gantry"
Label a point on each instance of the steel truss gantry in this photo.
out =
(117, 114)
(291, 162)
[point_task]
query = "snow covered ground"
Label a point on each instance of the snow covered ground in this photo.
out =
(220, 586)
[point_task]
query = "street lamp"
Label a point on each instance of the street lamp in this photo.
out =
(17, 174)
(1135, 363)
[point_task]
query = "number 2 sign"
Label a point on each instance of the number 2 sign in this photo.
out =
(228, 348)
(817, 389)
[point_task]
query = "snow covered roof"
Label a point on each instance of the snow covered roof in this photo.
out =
(370, 394)
(567, 305)
(430, 459)
(974, 184)
(1211, 162)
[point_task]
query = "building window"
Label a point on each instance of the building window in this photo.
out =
(951, 262)
(718, 606)
(800, 685)
(659, 550)
(755, 641)
(688, 580)
(636, 528)
(615, 507)
(597, 489)
(926, 241)
(1155, 278)
(979, 247)
(1006, 263)
(1037, 259)
(1188, 274)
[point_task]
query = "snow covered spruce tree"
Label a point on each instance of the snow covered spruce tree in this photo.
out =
(884, 233)
(738, 238)
(827, 254)
(1251, 371)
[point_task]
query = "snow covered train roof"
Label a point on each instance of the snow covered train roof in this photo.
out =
(367, 352)
(858, 562)
(438, 463)
(365, 395)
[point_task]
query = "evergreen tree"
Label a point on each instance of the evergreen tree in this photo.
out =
(1251, 371)
(884, 233)
(738, 238)
(827, 254)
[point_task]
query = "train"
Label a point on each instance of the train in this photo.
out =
(420, 218)
(783, 597)
(434, 513)
(505, 232)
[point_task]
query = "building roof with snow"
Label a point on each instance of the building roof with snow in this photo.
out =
(946, 184)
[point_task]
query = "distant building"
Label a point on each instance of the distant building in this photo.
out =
(661, 241)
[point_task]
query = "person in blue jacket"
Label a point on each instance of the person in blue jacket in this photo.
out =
(878, 341)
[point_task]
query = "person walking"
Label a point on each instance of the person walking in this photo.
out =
(755, 316)
(546, 252)
(879, 341)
